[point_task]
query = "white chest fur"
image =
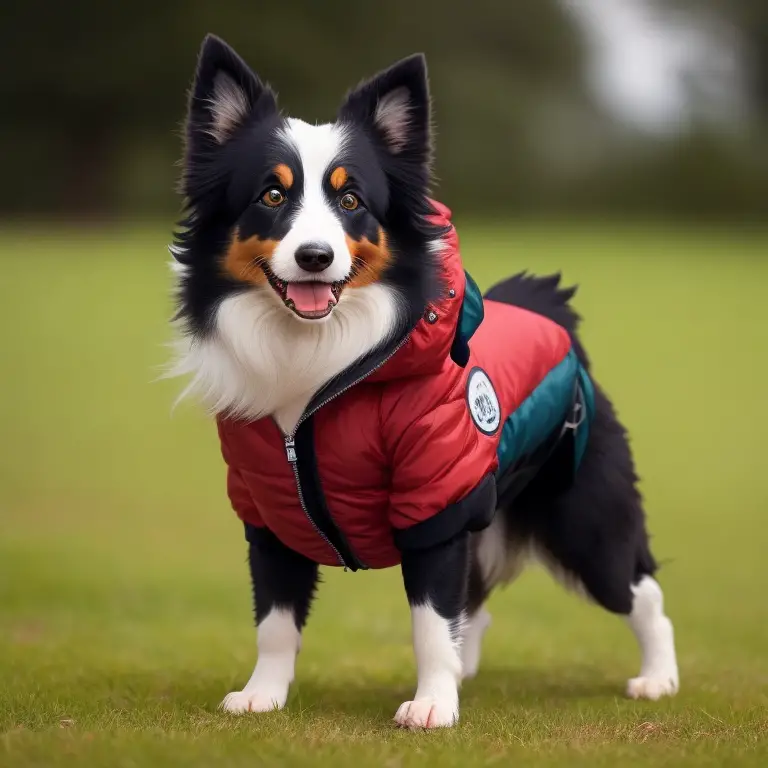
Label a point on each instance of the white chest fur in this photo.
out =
(288, 415)
(262, 360)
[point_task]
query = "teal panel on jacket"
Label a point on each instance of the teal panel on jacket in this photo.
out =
(540, 413)
(470, 317)
(582, 431)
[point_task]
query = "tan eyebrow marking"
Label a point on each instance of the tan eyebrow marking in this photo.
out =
(285, 175)
(339, 178)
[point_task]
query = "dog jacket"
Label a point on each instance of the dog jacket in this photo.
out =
(420, 440)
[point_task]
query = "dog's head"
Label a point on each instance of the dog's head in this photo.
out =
(309, 215)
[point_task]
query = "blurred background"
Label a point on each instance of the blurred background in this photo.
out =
(624, 142)
(655, 108)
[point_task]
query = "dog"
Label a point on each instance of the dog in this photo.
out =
(373, 408)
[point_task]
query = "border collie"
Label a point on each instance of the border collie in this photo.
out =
(309, 262)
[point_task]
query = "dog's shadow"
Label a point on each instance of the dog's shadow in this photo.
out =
(492, 688)
(370, 702)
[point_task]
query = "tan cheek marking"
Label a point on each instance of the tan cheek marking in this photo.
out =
(285, 175)
(243, 259)
(339, 178)
(370, 260)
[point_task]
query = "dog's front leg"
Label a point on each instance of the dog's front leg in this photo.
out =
(436, 584)
(283, 586)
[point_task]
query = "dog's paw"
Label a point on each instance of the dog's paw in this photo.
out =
(239, 702)
(427, 713)
(652, 687)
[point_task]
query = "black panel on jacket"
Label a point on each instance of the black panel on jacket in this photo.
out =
(473, 513)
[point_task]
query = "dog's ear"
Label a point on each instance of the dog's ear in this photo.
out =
(226, 93)
(395, 106)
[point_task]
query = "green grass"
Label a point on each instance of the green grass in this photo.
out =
(124, 596)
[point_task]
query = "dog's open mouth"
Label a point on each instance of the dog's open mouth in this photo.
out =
(310, 300)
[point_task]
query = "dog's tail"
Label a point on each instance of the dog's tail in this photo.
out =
(546, 297)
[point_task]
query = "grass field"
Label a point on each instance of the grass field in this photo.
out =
(124, 600)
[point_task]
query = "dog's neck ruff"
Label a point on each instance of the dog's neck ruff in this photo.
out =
(260, 360)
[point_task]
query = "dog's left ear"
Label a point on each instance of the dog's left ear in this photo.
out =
(395, 107)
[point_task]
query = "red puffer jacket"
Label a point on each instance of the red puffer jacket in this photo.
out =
(405, 449)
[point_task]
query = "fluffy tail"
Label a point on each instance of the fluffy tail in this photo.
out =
(544, 296)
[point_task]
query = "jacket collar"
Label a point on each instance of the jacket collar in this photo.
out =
(447, 325)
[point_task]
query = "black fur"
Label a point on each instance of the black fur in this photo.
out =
(281, 578)
(218, 179)
(595, 530)
(438, 576)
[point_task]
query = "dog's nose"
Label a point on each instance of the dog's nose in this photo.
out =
(314, 257)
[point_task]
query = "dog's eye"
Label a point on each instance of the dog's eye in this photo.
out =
(349, 202)
(273, 197)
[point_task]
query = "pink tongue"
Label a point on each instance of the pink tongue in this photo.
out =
(310, 297)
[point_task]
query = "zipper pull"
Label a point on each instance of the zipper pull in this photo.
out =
(290, 450)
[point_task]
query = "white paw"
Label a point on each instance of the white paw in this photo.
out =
(652, 687)
(427, 713)
(238, 702)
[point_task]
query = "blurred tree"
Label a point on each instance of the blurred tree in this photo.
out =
(80, 75)
(93, 84)
(744, 23)
(93, 95)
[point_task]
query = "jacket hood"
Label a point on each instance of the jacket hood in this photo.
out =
(447, 325)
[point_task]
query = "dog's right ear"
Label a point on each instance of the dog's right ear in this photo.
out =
(226, 94)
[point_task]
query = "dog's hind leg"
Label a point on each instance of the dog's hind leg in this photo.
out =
(658, 672)
(478, 621)
(593, 538)
(496, 559)
(472, 640)
(606, 573)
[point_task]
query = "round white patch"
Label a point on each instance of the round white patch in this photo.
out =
(482, 401)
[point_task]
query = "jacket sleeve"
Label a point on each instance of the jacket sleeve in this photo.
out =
(442, 475)
(237, 489)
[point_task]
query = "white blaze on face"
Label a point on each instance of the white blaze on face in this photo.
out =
(318, 146)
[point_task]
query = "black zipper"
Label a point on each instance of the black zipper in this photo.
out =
(300, 452)
(312, 498)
